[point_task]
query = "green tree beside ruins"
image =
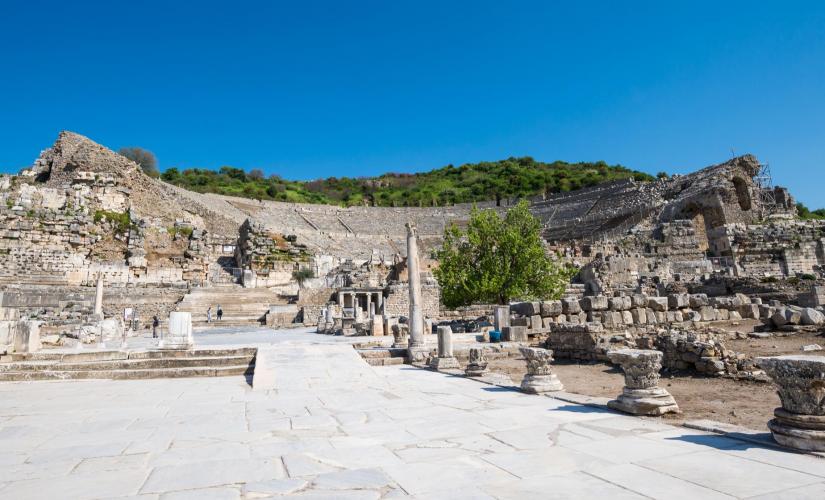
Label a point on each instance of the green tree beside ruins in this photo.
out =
(498, 259)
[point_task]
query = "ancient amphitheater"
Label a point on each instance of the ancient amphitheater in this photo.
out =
(705, 277)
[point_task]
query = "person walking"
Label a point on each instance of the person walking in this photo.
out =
(220, 312)
(209, 315)
(155, 325)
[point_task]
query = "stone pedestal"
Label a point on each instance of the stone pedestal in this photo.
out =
(377, 325)
(27, 336)
(179, 332)
(800, 422)
(477, 365)
(501, 317)
(445, 359)
(111, 333)
(399, 334)
(641, 394)
(539, 377)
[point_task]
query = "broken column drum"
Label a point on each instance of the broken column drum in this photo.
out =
(641, 394)
(477, 365)
(399, 334)
(445, 358)
(539, 377)
(800, 421)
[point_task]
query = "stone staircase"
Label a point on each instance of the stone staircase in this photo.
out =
(241, 306)
(124, 365)
(383, 356)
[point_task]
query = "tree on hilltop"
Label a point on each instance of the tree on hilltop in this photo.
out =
(498, 259)
(144, 158)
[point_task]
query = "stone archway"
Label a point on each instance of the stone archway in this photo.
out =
(743, 193)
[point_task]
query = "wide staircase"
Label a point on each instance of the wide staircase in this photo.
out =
(124, 365)
(241, 306)
(381, 356)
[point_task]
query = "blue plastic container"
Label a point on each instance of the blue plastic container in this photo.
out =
(495, 336)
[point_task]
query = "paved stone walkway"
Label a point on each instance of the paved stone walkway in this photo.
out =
(333, 427)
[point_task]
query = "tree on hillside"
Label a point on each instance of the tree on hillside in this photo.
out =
(498, 259)
(144, 158)
(806, 213)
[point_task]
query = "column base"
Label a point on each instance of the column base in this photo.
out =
(537, 384)
(651, 402)
(445, 364)
(418, 354)
(476, 371)
(801, 432)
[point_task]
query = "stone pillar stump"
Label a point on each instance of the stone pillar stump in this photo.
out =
(641, 394)
(400, 334)
(477, 365)
(800, 422)
(445, 359)
(539, 377)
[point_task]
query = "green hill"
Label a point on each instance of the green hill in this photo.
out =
(513, 177)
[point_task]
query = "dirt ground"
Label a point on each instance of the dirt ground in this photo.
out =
(744, 403)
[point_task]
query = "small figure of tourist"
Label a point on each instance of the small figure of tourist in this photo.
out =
(155, 325)
(220, 312)
(209, 315)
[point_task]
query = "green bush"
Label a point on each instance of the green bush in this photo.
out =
(121, 220)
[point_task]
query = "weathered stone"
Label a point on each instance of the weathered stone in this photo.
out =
(810, 316)
(501, 315)
(445, 360)
(678, 301)
(539, 377)
(800, 422)
(378, 325)
(707, 313)
(514, 334)
(551, 308)
(596, 303)
(179, 332)
(535, 322)
(699, 300)
(400, 334)
(641, 394)
(658, 304)
(477, 365)
(570, 306)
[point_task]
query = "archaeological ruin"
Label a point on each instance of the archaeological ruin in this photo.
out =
(94, 253)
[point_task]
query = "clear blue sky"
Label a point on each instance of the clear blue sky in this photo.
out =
(312, 89)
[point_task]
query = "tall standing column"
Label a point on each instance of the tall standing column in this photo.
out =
(414, 277)
(99, 295)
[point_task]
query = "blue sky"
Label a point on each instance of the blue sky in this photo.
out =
(314, 89)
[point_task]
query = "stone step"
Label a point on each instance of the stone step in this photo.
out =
(384, 361)
(220, 371)
(111, 355)
(128, 364)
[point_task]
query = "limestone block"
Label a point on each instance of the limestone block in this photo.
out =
(723, 314)
(27, 336)
(596, 303)
(793, 316)
(707, 313)
(514, 334)
(616, 303)
(546, 322)
(627, 317)
(551, 308)
(526, 308)
(811, 316)
(639, 300)
(639, 316)
(678, 300)
(691, 315)
(501, 315)
(570, 306)
(658, 303)
(734, 316)
(378, 325)
(661, 317)
(697, 301)
(535, 322)
(477, 365)
(111, 331)
(750, 311)
(400, 333)
(520, 321)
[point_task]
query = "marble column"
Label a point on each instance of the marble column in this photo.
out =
(641, 394)
(416, 320)
(99, 296)
(477, 365)
(539, 377)
(501, 317)
(445, 360)
(800, 421)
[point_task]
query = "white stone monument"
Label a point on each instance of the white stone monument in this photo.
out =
(179, 332)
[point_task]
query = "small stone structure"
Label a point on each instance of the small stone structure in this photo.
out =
(539, 377)
(400, 334)
(641, 394)
(445, 360)
(800, 422)
(179, 334)
(477, 365)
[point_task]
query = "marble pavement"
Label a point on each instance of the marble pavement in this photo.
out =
(329, 426)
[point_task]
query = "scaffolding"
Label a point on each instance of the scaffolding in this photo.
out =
(764, 183)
